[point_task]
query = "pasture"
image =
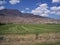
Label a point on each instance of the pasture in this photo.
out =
(29, 28)
(30, 34)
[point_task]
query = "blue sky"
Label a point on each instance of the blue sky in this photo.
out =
(47, 8)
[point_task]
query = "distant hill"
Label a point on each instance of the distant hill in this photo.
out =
(9, 12)
(15, 16)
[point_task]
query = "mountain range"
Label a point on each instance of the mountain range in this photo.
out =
(15, 16)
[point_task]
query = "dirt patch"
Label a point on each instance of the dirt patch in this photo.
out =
(29, 38)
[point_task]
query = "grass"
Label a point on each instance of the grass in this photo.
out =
(28, 28)
(57, 43)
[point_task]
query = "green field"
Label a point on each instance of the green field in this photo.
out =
(28, 28)
(9, 30)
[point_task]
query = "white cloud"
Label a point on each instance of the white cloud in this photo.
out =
(27, 9)
(44, 15)
(55, 10)
(2, 7)
(42, 10)
(44, 5)
(14, 1)
(58, 13)
(38, 3)
(55, 1)
(23, 11)
(2, 2)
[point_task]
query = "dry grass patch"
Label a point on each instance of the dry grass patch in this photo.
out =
(30, 38)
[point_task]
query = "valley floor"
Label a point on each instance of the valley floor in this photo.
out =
(30, 34)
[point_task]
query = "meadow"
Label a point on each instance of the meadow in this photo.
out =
(28, 28)
(30, 34)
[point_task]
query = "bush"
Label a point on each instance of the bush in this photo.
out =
(2, 23)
